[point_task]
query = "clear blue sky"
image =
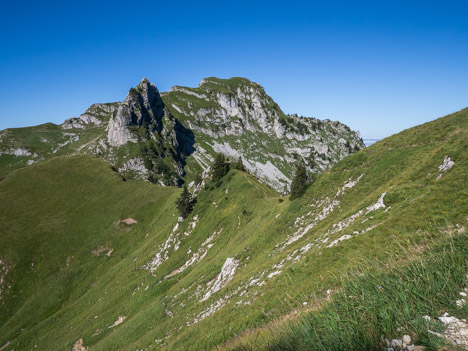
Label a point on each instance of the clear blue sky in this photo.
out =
(378, 66)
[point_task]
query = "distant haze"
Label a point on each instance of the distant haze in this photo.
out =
(369, 142)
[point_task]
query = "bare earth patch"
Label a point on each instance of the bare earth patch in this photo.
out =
(79, 346)
(128, 221)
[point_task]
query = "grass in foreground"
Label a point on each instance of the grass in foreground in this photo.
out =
(372, 306)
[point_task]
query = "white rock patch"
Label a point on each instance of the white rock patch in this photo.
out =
(78, 346)
(337, 227)
(223, 278)
(135, 165)
(191, 226)
(118, 321)
(16, 152)
(344, 237)
(73, 138)
(163, 251)
(445, 166)
(202, 157)
(377, 205)
(327, 206)
(272, 274)
(348, 185)
(266, 171)
(457, 330)
(4, 269)
(199, 255)
(326, 210)
(215, 306)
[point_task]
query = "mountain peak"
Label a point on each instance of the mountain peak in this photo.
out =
(144, 83)
(145, 87)
(171, 137)
(233, 81)
(222, 109)
(142, 106)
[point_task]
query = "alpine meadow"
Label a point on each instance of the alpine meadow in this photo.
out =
(208, 219)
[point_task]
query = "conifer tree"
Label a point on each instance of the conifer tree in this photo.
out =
(239, 165)
(185, 203)
(300, 181)
(220, 167)
(198, 179)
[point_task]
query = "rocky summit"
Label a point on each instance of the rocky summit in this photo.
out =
(143, 107)
(172, 137)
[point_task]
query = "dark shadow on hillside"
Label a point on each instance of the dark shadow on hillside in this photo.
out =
(186, 143)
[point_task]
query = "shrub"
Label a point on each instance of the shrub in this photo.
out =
(185, 203)
(220, 168)
(300, 181)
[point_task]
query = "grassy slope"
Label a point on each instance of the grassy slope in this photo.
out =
(53, 215)
(46, 141)
(375, 303)
(66, 298)
(424, 212)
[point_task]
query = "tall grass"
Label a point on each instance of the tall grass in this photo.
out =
(372, 306)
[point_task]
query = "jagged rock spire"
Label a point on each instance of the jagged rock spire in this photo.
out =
(142, 107)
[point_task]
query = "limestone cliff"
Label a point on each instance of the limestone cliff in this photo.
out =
(171, 137)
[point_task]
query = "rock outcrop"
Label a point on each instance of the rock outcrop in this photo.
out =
(236, 117)
(172, 137)
(95, 115)
(142, 107)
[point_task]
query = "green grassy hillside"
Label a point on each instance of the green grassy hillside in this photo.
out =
(244, 258)
(21, 147)
(59, 219)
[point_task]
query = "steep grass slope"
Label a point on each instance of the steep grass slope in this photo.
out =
(244, 258)
(419, 296)
(59, 219)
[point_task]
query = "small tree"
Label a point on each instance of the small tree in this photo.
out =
(300, 181)
(198, 179)
(185, 203)
(239, 165)
(220, 167)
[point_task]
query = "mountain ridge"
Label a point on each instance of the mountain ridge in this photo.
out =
(170, 138)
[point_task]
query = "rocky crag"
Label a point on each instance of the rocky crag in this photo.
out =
(171, 137)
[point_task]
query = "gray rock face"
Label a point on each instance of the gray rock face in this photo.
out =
(166, 137)
(142, 107)
(136, 166)
(16, 152)
(94, 115)
(236, 117)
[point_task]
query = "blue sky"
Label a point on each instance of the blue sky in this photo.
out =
(379, 66)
